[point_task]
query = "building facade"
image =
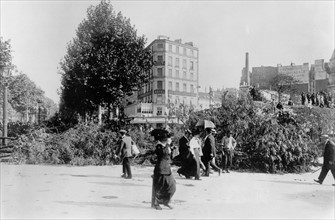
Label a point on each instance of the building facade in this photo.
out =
(318, 77)
(330, 69)
(174, 82)
(300, 74)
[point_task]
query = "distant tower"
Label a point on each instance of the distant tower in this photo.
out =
(247, 68)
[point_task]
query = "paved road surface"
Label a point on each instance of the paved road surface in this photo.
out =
(63, 192)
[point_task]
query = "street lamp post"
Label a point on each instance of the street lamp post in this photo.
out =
(5, 74)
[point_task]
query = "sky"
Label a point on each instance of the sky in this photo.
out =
(272, 32)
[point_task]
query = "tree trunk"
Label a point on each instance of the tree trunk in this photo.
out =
(99, 115)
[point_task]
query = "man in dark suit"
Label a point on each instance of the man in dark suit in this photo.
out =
(328, 159)
(124, 152)
(185, 155)
(209, 152)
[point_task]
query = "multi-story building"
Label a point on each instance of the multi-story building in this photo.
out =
(330, 68)
(174, 82)
(318, 76)
(300, 74)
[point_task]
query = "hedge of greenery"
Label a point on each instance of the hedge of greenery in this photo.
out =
(267, 141)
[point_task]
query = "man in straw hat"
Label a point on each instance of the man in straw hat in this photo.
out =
(328, 159)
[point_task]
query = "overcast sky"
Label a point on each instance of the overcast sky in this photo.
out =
(276, 32)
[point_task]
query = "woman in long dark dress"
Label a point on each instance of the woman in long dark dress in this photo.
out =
(164, 184)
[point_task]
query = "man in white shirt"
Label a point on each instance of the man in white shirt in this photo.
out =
(229, 144)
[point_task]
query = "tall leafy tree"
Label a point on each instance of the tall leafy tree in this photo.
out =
(105, 61)
(283, 83)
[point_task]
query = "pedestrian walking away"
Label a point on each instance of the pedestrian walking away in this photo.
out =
(124, 152)
(328, 159)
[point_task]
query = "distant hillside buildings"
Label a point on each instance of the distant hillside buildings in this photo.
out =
(319, 77)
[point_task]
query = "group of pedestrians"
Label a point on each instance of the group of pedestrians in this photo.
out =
(320, 99)
(197, 151)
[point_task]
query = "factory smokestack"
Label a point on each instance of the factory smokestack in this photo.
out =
(247, 68)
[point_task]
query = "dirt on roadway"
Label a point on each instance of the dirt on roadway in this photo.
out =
(98, 192)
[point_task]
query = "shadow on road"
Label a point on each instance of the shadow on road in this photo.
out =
(119, 184)
(102, 204)
(299, 182)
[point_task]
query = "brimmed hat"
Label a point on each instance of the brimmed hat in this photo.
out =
(325, 136)
(122, 131)
(161, 133)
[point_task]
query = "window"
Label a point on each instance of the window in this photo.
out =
(177, 62)
(184, 64)
(191, 75)
(170, 61)
(177, 49)
(177, 86)
(159, 84)
(160, 46)
(159, 71)
(170, 85)
(184, 75)
(191, 65)
(184, 51)
(170, 72)
(184, 87)
(192, 88)
(170, 47)
(177, 73)
(192, 52)
(159, 111)
(159, 99)
(160, 59)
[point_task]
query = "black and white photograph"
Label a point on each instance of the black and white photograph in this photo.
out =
(165, 109)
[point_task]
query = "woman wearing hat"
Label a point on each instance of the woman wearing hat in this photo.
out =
(164, 184)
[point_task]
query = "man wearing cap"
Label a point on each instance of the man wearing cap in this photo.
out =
(229, 144)
(328, 159)
(124, 152)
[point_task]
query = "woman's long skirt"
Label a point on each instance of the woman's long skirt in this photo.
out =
(164, 188)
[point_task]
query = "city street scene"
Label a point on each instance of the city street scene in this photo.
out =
(167, 109)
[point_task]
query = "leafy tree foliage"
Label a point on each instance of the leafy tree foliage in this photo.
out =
(283, 83)
(24, 96)
(5, 53)
(105, 61)
(266, 141)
